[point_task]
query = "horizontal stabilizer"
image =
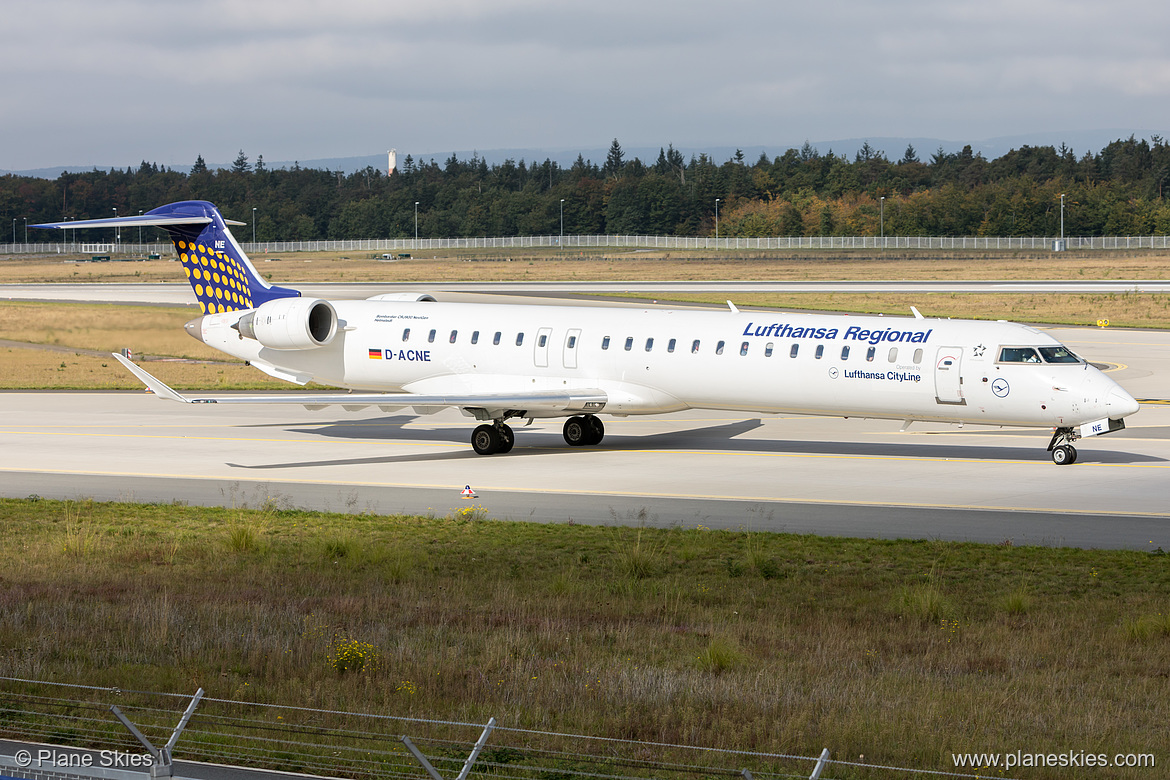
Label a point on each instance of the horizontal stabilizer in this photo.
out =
(138, 220)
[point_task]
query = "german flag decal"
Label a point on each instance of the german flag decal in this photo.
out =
(375, 354)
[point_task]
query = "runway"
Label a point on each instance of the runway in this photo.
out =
(719, 470)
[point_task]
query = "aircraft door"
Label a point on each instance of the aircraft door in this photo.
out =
(572, 339)
(543, 336)
(948, 379)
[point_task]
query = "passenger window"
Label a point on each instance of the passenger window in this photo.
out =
(719, 348)
(649, 344)
(406, 334)
(670, 345)
(792, 352)
(695, 347)
(820, 353)
(496, 338)
(629, 343)
(475, 337)
(519, 338)
(572, 342)
(869, 353)
(893, 354)
(454, 333)
(845, 353)
(605, 343)
(431, 337)
(743, 348)
(918, 356)
(542, 340)
(768, 349)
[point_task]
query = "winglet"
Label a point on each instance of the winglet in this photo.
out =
(156, 387)
(731, 306)
(917, 314)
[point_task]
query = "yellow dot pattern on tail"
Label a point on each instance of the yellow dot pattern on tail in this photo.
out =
(220, 283)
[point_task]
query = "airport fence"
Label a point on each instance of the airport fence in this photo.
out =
(330, 743)
(563, 243)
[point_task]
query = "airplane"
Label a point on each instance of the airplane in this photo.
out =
(502, 362)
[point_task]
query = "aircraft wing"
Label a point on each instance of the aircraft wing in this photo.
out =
(481, 405)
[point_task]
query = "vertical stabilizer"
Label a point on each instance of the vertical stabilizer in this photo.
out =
(220, 274)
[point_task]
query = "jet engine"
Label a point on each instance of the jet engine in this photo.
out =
(290, 323)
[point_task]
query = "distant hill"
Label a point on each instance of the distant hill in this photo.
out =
(892, 148)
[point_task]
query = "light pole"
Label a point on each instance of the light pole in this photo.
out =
(883, 220)
(253, 228)
(415, 225)
(25, 229)
(117, 231)
(562, 221)
(140, 232)
(1062, 221)
(14, 231)
(717, 223)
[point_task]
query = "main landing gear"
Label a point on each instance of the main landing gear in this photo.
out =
(1063, 453)
(586, 430)
(498, 438)
(492, 439)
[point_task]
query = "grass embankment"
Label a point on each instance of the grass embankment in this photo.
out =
(902, 651)
(76, 341)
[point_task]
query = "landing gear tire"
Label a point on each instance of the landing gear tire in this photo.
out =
(1064, 455)
(582, 431)
(576, 431)
(486, 440)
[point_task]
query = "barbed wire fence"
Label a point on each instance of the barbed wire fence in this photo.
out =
(333, 743)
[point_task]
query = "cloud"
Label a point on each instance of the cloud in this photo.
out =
(122, 80)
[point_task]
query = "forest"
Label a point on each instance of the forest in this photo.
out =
(1115, 192)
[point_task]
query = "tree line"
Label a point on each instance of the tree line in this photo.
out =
(1117, 191)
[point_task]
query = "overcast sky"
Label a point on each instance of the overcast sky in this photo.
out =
(117, 81)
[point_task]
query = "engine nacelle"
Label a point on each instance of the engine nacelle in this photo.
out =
(290, 323)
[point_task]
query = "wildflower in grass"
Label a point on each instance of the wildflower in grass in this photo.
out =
(406, 687)
(352, 655)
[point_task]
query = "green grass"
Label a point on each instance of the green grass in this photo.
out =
(902, 651)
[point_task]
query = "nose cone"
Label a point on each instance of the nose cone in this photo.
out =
(194, 329)
(1120, 403)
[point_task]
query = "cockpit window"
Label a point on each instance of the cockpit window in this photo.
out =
(1018, 355)
(1059, 354)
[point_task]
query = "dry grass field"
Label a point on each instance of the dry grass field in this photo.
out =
(60, 346)
(541, 265)
(903, 652)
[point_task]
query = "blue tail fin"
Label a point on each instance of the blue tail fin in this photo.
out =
(220, 274)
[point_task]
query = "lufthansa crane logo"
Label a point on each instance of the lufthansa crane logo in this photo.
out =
(833, 372)
(1000, 387)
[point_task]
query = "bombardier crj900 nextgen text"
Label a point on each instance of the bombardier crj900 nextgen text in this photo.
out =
(498, 362)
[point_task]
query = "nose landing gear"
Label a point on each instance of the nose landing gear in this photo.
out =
(1063, 453)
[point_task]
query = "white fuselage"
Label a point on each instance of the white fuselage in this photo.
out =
(646, 361)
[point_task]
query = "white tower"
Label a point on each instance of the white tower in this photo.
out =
(392, 161)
